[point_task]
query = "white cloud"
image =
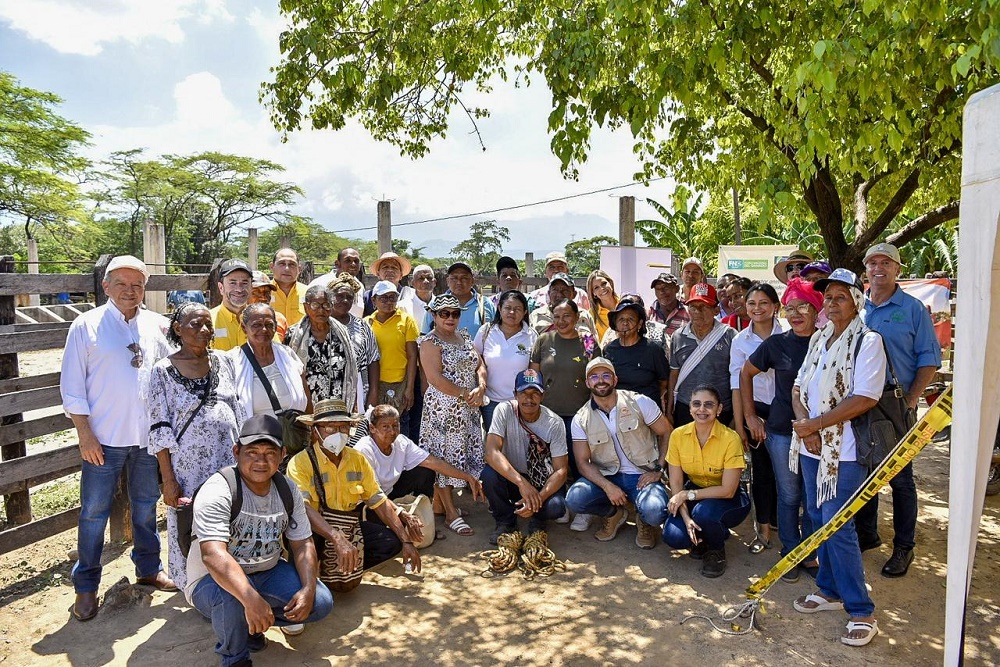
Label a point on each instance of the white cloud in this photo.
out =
(84, 26)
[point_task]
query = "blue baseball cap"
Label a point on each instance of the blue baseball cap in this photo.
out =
(529, 379)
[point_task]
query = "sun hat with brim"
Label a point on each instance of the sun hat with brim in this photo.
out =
(384, 287)
(884, 249)
(330, 410)
(821, 266)
(404, 264)
(260, 279)
(127, 262)
(261, 428)
(444, 301)
(529, 379)
(459, 265)
(796, 257)
(599, 362)
(703, 293)
(666, 279)
(842, 276)
(629, 302)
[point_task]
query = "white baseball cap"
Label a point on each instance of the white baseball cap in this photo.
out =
(127, 262)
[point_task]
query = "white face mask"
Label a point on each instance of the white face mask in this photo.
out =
(335, 443)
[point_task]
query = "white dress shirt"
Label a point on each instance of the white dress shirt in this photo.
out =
(98, 378)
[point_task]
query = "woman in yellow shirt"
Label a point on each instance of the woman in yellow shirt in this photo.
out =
(702, 510)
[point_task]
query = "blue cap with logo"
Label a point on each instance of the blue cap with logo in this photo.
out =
(529, 379)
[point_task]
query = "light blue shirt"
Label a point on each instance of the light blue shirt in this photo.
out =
(908, 332)
(472, 317)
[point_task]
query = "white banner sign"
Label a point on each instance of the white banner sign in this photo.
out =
(755, 262)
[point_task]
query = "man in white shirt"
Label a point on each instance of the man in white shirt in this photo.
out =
(105, 370)
(620, 446)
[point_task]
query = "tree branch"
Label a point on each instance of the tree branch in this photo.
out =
(892, 209)
(926, 222)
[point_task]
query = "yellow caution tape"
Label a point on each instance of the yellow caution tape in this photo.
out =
(938, 417)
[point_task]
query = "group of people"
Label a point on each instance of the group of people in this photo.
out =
(338, 422)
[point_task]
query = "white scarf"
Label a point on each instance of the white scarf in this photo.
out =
(835, 385)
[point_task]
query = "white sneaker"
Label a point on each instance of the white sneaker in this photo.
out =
(581, 523)
(565, 517)
(293, 630)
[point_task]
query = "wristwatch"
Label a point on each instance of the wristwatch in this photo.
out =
(657, 467)
(692, 495)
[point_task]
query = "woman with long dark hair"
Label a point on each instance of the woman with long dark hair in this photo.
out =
(505, 346)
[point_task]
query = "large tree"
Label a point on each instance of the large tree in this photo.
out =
(483, 247)
(846, 110)
(39, 162)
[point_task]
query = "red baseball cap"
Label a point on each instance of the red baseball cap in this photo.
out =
(704, 293)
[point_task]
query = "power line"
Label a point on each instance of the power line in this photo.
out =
(499, 210)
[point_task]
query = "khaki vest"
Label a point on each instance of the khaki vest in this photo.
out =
(637, 440)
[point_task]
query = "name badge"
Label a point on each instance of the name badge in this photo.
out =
(221, 333)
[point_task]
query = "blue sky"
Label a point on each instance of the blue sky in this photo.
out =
(181, 76)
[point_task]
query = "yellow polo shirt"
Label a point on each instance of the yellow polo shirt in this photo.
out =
(392, 337)
(290, 305)
(228, 332)
(346, 486)
(704, 465)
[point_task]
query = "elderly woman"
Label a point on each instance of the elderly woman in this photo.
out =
(451, 428)
(761, 304)
(505, 345)
(782, 354)
(195, 417)
(710, 456)
(640, 364)
(561, 356)
(324, 346)
(841, 378)
(366, 353)
(405, 471)
(270, 378)
(603, 300)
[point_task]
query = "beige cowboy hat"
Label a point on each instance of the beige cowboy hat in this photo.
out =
(404, 264)
(330, 410)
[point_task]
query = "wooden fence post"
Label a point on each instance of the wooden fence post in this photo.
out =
(214, 296)
(529, 264)
(252, 247)
(154, 253)
(384, 227)
(33, 299)
(626, 221)
(17, 505)
(100, 298)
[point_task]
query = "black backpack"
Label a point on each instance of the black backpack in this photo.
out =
(185, 513)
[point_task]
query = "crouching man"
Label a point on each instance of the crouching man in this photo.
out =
(236, 576)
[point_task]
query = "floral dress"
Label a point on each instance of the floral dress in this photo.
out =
(207, 444)
(450, 429)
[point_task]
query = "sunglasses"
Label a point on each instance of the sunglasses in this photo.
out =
(600, 377)
(136, 354)
(708, 405)
(794, 267)
(449, 314)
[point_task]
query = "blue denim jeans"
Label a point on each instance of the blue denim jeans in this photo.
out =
(790, 495)
(585, 497)
(904, 512)
(715, 516)
(487, 412)
(97, 489)
(841, 572)
(276, 586)
(503, 493)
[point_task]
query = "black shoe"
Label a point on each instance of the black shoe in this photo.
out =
(869, 544)
(791, 576)
(898, 563)
(245, 662)
(714, 563)
(500, 529)
(256, 642)
(535, 524)
(698, 552)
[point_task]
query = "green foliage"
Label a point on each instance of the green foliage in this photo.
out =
(483, 247)
(835, 110)
(310, 240)
(681, 229)
(39, 164)
(584, 256)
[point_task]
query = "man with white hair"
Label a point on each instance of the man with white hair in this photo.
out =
(109, 353)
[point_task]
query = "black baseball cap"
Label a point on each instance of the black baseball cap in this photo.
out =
(231, 265)
(261, 428)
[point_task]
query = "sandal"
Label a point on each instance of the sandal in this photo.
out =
(870, 629)
(759, 544)
(460, 527)
(813, 603)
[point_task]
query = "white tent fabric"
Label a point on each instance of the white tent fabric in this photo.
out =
(977, 365)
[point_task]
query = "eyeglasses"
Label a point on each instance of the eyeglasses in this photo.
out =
(708, 405)
(794, 267)
(316, 305)
(136, 354)
(801, 309)
(449, 314)
(600, 377)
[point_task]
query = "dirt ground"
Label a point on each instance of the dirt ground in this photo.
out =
(615, 605)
